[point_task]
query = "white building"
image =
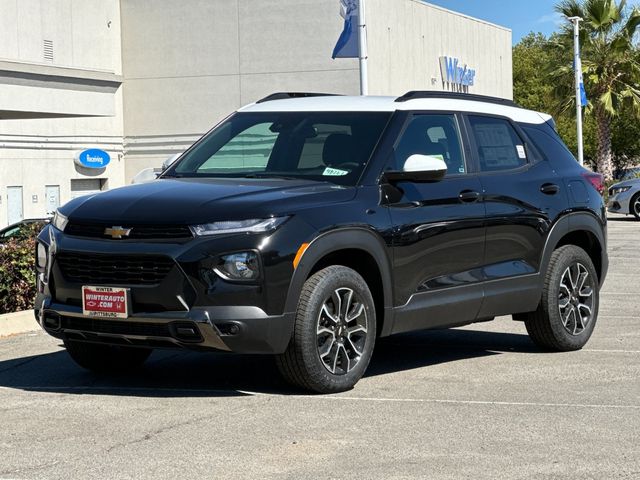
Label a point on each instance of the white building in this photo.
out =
(143, 79)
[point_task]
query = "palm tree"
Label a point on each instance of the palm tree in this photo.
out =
(609, 62)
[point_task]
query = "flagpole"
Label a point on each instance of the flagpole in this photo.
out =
(578, 77)
(364, 71)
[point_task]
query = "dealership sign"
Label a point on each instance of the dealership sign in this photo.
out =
(93, 158)
(455, 73)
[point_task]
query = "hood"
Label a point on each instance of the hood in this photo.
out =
(197, 201)
(634, 182)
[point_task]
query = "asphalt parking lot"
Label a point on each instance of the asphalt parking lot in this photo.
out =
(475, 402)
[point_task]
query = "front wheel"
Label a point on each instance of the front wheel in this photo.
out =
(106, 358)
(634, 206)
(568, 310)
(334, 332)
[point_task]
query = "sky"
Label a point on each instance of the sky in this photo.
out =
(521, 16)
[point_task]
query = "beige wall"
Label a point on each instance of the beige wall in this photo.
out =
(78, 29)
(50, 109)
(150, 86)
(188, 64)
(408, 37)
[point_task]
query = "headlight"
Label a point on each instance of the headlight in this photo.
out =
(59, 221)
(617, 190)
(41, 255)
(239, 266)
(259, 225)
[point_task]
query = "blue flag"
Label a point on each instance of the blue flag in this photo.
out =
(577, 65)
(583, 94)
(348, 45)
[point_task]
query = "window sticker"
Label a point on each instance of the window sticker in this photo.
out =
(521, 151)
(334, 172)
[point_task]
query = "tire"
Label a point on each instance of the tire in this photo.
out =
(327, 353)
(106, 358)
(554, 327)
(634, 206)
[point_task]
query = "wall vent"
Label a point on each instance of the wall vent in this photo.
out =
(48, 50)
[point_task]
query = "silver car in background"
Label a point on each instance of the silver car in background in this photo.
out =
(624, 197)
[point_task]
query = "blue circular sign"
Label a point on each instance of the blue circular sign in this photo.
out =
(93, 158)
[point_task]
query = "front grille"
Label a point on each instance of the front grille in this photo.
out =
(93, 325)
(138, 232)
(113, 269)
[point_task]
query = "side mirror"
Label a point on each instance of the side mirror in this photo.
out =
(170, 161)
(419, 168)
(145, 176)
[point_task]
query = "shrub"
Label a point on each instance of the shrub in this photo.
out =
(17, 272)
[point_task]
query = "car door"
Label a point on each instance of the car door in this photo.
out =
(522, 196)
(438, 236)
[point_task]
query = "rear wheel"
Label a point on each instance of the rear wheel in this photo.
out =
(334, 332)
(568, 310)
(106, 358)
(634, 206)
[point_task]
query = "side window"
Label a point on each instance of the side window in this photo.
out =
(499, 145)
(10, 233)
(248, 150)
(433, 135)
(549, 144)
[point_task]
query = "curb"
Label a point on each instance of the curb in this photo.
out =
(19, 322)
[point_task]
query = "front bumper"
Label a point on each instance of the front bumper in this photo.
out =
(619, 203)
(237, 329)
(175, 300)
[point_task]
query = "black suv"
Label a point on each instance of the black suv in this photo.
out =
(307, 225)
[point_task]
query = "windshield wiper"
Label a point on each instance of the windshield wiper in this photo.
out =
(267, 175)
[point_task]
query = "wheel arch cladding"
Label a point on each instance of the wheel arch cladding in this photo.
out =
(355, 248)
(584, 230)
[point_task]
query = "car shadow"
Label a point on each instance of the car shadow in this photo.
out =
(192, 374)
(621, 218)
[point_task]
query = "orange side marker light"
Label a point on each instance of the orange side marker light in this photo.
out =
(299, 254)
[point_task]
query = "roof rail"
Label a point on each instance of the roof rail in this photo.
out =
(455, 96)
(285, 95)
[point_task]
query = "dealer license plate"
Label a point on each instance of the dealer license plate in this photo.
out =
(106, 302)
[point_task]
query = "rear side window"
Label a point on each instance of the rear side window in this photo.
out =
(549, 143)
(499, 145)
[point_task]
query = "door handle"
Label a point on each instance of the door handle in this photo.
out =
(549, 188)
(469, 196)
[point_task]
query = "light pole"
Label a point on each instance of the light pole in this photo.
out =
(362, 31)
(577, 62)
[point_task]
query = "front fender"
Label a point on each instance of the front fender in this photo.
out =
(359, 238)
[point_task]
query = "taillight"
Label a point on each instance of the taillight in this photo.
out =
(595, 179)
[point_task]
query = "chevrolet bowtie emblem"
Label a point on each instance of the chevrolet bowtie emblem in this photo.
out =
(117, 232)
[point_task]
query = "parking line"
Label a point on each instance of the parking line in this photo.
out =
(249, 393)
(608, 351)
(611, 294)
(455, 402)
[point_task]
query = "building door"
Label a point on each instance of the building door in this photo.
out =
(52, 194)
(14, 204)
(88, 186)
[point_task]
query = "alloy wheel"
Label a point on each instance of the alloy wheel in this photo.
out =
(341, 331)
(636, 206)
(575, 298)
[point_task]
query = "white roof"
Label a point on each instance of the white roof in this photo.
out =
(388, 104)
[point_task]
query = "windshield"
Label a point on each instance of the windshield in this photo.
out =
(324, 146)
